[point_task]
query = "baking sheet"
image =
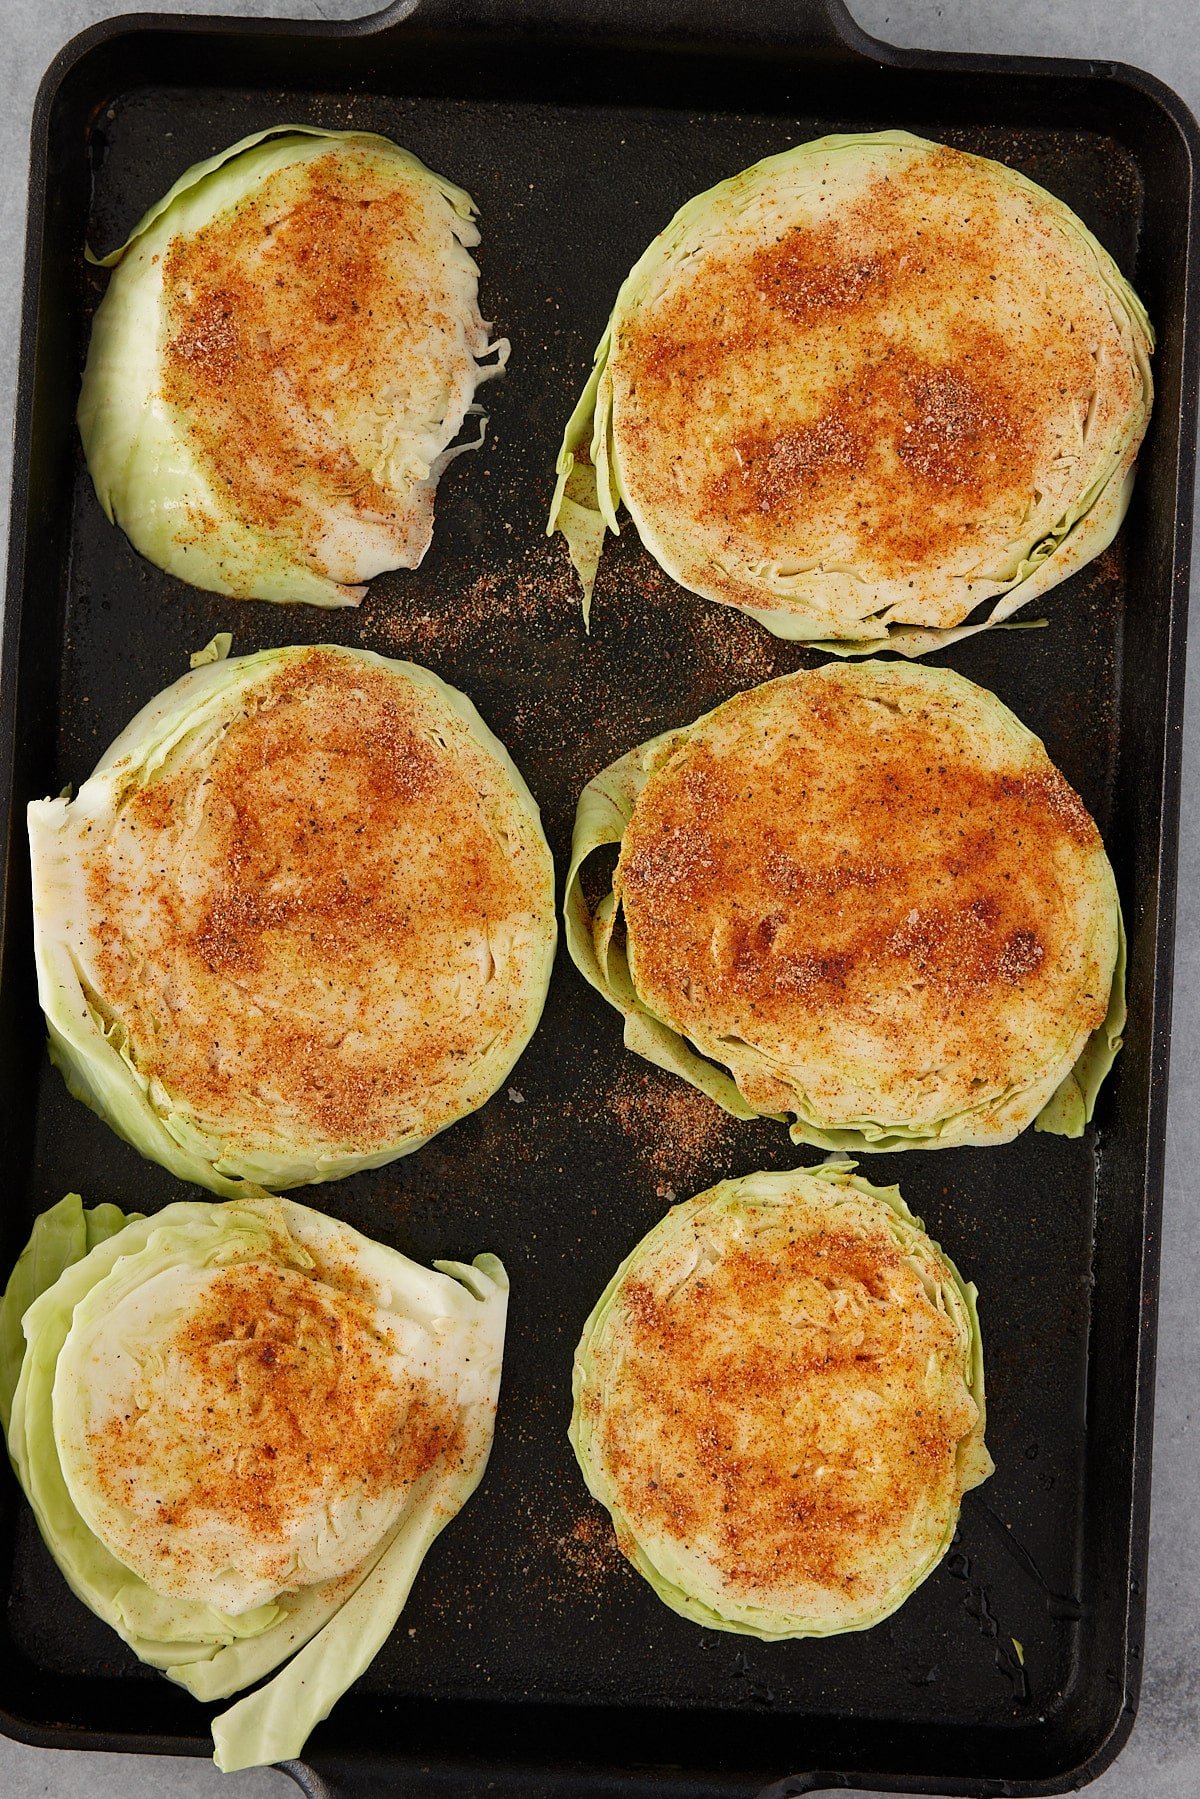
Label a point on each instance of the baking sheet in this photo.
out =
(524, 1610)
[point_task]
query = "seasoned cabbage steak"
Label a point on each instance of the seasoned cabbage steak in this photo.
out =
(780, 1399)
(862, 898)
(873, 391)
(300, 918)
(281, 367)
(240, 1426)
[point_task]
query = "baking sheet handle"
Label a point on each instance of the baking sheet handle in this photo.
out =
(815, 26)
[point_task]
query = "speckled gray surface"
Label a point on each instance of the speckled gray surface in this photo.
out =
(1162, 1760)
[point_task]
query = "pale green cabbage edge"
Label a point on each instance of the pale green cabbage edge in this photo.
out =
(145, 476)
(589, 491)
(954, 1296)
(605, 808)
(331, 1632)
(91, 1049)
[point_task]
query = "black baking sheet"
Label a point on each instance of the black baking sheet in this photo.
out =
(529, 1648)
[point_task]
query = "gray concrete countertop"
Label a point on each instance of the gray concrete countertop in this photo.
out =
(1162, 1760)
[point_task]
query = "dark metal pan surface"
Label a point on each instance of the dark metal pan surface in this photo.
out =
(531, 1660)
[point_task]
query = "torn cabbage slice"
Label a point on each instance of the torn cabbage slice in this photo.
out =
(288, 350)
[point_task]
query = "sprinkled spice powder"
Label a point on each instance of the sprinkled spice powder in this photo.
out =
(576, 1555)
(589, 1549)
(676, 1131)
(538, 592)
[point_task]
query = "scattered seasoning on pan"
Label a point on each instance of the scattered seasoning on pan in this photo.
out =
(573, 1554)
(676, 1132)
(534, 593)
(589, 1550)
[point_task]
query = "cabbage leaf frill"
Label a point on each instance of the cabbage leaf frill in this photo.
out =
(715, 428)
(103, 1306)
(731, 1553)
(288, 349)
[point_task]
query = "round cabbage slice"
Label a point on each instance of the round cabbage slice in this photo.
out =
(874, 391)
(779, 1397)
(861, 898)
(240, 1426)
(299, 919)
(287, 350)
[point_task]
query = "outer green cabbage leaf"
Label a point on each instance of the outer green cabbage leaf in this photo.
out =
(605, 808)
(61, 1237)
(1071, 1106)
(589, 491)
(953, 1295)
(77, 1259)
